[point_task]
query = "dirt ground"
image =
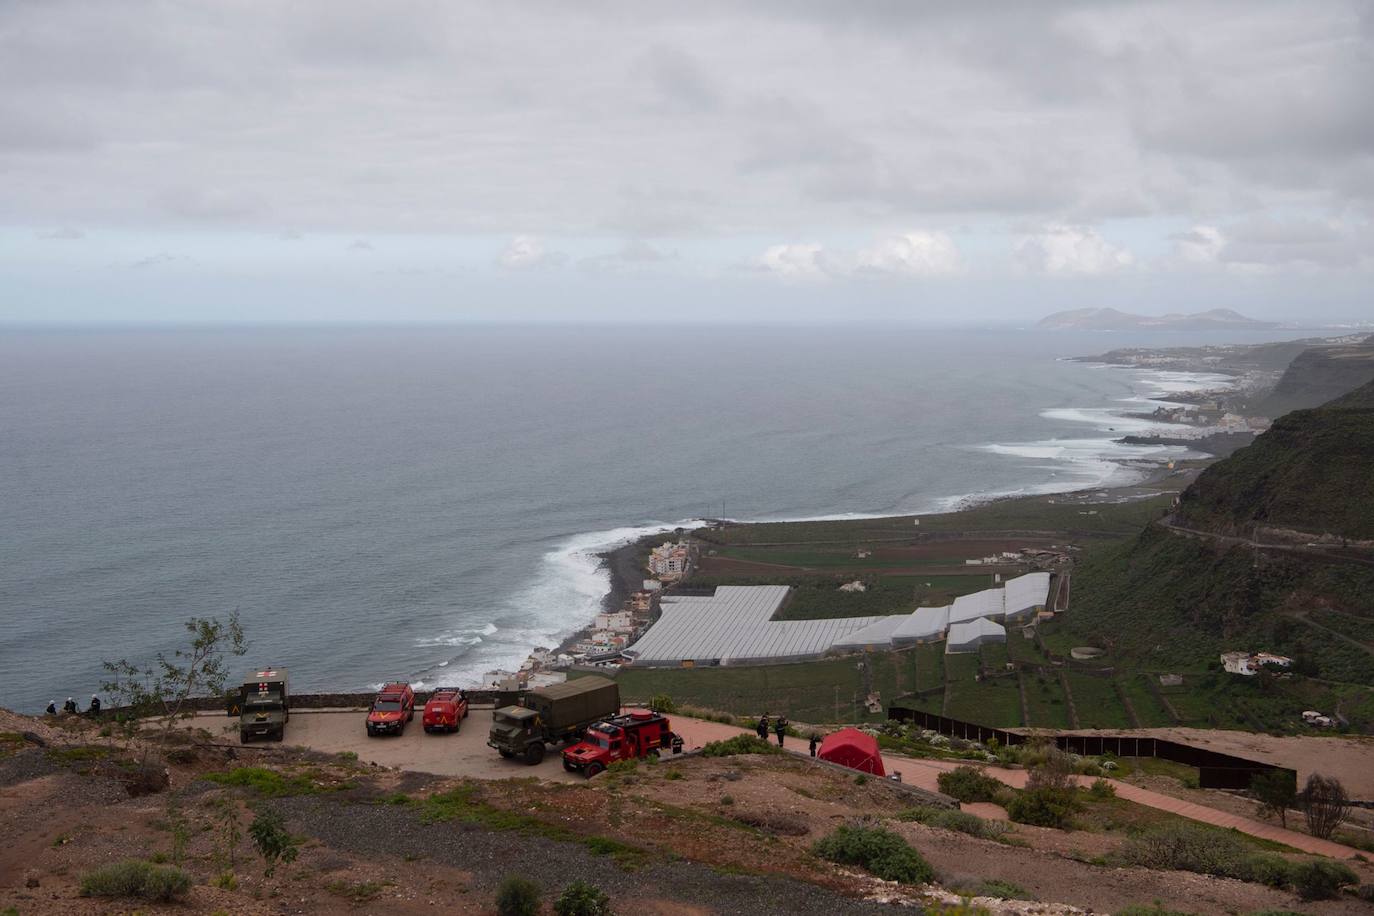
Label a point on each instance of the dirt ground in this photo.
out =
(689, 835)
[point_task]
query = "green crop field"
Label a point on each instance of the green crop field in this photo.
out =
(1096, 701)
(1147, 706)
(831, 690)
(929, 663)
(995, 701)
(962, 666)
(1045, 700)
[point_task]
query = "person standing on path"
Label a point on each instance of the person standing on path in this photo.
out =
(815, 740)
(761, 729)
(779, 728)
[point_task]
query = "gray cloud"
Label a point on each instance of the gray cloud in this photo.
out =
(715, 127)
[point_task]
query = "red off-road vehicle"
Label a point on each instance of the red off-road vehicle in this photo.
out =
(624, 737)
(445, 710)
(393, 708)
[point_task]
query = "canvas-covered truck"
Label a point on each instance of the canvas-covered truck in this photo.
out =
(641, 733)
(264, 703)
(547, 715)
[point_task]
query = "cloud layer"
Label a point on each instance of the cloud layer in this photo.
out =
(886, 142)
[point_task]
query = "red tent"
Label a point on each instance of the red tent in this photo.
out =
(852, 748)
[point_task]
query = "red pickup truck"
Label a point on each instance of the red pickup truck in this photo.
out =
(445, 710)
(641, 733)
(393, 708)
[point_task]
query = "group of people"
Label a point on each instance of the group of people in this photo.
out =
(71, 708)
(779, 726)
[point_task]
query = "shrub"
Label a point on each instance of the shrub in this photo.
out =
(1101, 789)
(661, 702)
(1185, 847)
(274, 844)
(969, 784)
(740, 744)
(136, 879)
(582, 899)
(1266, 868)
(517, 896)
(878, 851)
(1042, 807)
(1007, 890)
(1322, 879)
(960, 821)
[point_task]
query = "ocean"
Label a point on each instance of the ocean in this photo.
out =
(427, 503)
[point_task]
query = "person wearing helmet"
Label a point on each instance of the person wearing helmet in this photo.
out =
(70, 706)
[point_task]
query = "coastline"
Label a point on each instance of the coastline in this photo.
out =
(1151, 477)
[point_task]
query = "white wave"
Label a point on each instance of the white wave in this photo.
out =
(564, 592)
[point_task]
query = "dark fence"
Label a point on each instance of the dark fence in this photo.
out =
(1215, 770)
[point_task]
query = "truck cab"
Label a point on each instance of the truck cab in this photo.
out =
(264, 705)
(445, 710)
(517, 730)
(393, 708)
(641, 733)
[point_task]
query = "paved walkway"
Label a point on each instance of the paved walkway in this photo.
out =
(925, 773)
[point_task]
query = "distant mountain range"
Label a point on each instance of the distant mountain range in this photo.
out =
(1107, 319)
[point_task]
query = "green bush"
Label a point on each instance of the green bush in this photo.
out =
(969, 784)
(136, 879)
(517, 896)
(740, 744)
(959, 821)
(1043, 807)
(1322, 879)
(1186, 847)
(878, 851)
(662, 702)
(1102, 789)
(1265, 868)
(582, 899)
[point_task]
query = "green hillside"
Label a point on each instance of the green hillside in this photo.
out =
(1313, 471)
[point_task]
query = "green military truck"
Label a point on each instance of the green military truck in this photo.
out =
(551, 714)
(264, 704)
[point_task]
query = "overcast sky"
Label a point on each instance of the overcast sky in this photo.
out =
(695, 161)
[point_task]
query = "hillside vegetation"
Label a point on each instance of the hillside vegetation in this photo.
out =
(1312, 471)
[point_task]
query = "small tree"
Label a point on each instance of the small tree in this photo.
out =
(1276, 792)
(273, 842)
(164, 687)
(1325, 804)
(582, 899)
(662, 703)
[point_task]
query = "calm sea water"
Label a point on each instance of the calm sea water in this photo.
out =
(427, 503)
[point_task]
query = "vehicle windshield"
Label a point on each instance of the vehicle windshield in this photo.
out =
(264, 701)
(387, 706)
(598, 739)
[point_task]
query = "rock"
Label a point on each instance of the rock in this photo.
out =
(33, 738)
(31, 878)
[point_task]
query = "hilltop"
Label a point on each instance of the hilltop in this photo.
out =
(1310, 472)
(1110, 319)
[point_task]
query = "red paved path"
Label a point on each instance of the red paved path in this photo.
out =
(923, 773)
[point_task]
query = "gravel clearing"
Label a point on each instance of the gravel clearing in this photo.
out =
(490, 856)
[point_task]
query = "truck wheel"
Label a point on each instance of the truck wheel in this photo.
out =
(534, 754)
(280, 735)
(507, 754)
(244, 738)
(593, 769)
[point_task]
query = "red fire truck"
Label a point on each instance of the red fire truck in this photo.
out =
(640, 733)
